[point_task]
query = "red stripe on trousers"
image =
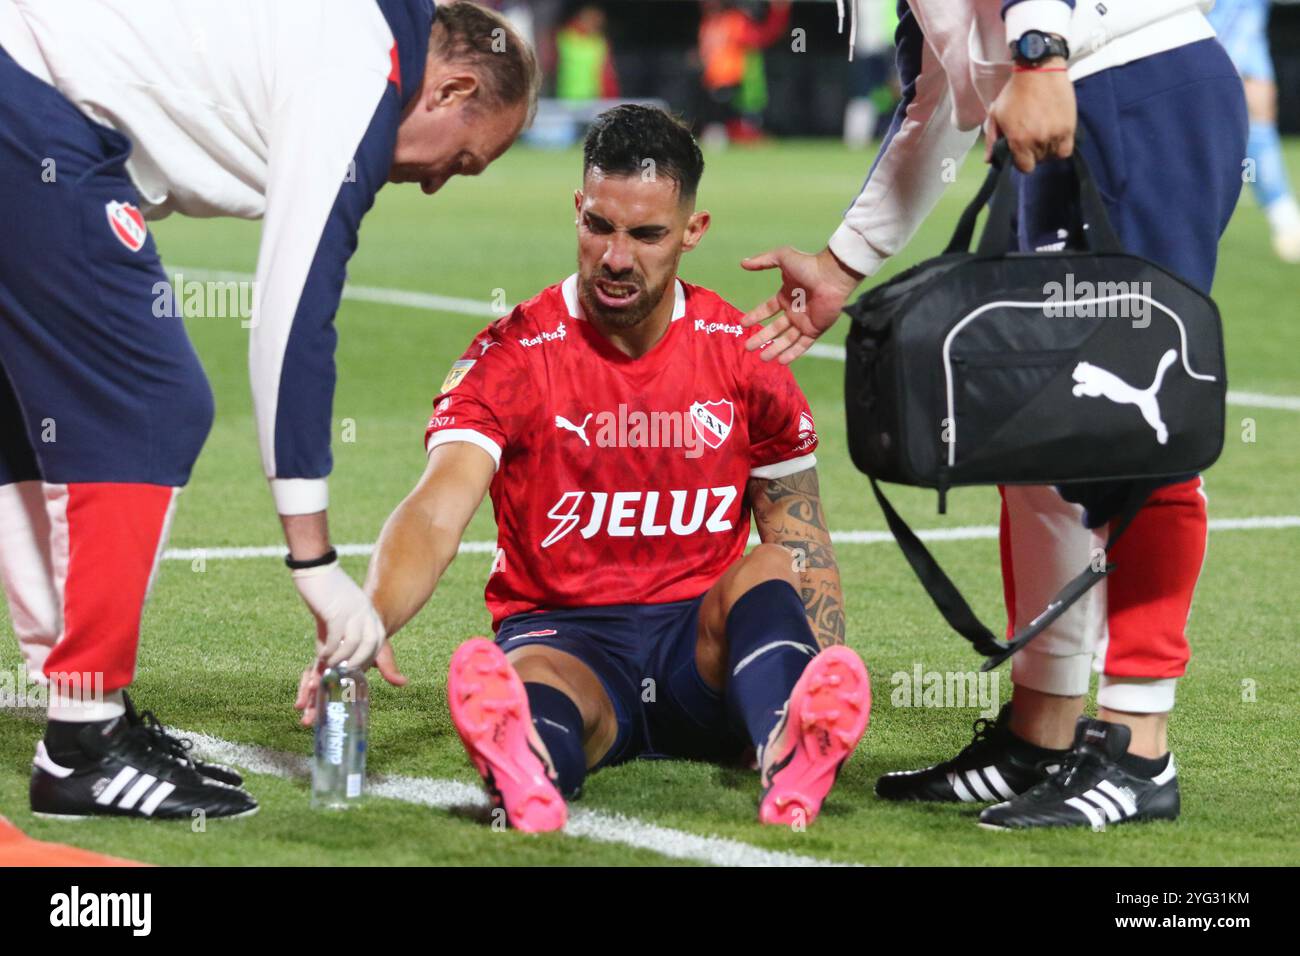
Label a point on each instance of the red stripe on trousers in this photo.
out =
(1008, 572)
(113, 537)
(1149, 594)
(395, 74)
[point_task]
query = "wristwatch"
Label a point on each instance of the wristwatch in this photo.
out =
(1035, 46)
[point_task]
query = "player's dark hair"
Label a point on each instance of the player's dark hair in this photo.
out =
(621, 140)
(465, 33)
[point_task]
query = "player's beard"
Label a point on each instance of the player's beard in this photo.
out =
(634, 313)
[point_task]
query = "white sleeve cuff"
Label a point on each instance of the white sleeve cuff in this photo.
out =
(1050, 16)
(300, 496)
(465, 434)
(782, 468)
(854, 251)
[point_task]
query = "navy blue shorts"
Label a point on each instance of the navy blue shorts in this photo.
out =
(644, 656)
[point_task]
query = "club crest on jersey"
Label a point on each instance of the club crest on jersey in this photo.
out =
(459, 369)
(713, 421)
(127, 223)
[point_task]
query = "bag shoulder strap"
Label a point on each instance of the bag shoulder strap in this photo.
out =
(950, 602)
(957, 611)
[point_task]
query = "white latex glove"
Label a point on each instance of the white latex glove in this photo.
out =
(351, 627)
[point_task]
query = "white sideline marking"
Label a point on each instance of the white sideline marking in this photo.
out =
(826, 351)
(277, 551)
(366, 293)
(977, 532)
(1290, 403)
(446, 794)
(446, 303)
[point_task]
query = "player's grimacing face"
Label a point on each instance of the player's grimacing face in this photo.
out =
(632, 231)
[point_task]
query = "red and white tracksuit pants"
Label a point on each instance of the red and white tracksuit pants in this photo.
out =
(77, 561)
(1132, 627)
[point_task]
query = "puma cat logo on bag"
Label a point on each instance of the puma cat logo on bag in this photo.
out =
(1096, 382)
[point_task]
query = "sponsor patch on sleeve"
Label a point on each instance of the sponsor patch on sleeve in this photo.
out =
(459, 369)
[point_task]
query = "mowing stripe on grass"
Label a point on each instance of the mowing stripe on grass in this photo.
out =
(430, 302)
(448, 794)
(965, 533)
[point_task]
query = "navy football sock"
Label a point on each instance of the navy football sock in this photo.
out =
(769, 644)
(559, 724)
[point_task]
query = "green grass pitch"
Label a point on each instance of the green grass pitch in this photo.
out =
(223, 646)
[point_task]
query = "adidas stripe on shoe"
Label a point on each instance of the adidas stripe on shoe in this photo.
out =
(994, 766)
(121, 769)
(1092, 788)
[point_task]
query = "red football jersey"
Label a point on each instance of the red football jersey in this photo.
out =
(619, 480)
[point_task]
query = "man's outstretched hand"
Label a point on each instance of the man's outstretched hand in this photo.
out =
(813, 291)
(309, 683)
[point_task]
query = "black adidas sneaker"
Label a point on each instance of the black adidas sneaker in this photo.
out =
(995, 765)
(125, 770)
(179, 747)
(1092, 788)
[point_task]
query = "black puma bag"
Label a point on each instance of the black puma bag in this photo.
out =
(1054, 367)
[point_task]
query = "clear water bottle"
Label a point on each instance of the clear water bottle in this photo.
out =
(342, 718)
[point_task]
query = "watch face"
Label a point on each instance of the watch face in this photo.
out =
(1033, 46)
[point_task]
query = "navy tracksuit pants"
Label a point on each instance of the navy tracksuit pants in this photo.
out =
(103, 403)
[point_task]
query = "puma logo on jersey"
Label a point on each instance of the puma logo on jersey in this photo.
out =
(579, 430)
(1096, 382)
(624, 514)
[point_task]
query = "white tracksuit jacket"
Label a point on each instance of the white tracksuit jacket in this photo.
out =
(279, 110)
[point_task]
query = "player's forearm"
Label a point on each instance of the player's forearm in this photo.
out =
(823, 596)
(819, 578)
(421, 537)
(788, 511)
(414, 550)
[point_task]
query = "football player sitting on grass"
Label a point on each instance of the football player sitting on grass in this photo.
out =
(625, 436)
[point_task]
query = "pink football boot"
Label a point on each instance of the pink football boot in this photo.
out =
(490, 710)
(825, 717)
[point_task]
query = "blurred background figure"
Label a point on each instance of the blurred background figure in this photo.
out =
(522, 16)
(1242, 26)
(873, 79)
(754, 70)
(732, 39)
(584, 66)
